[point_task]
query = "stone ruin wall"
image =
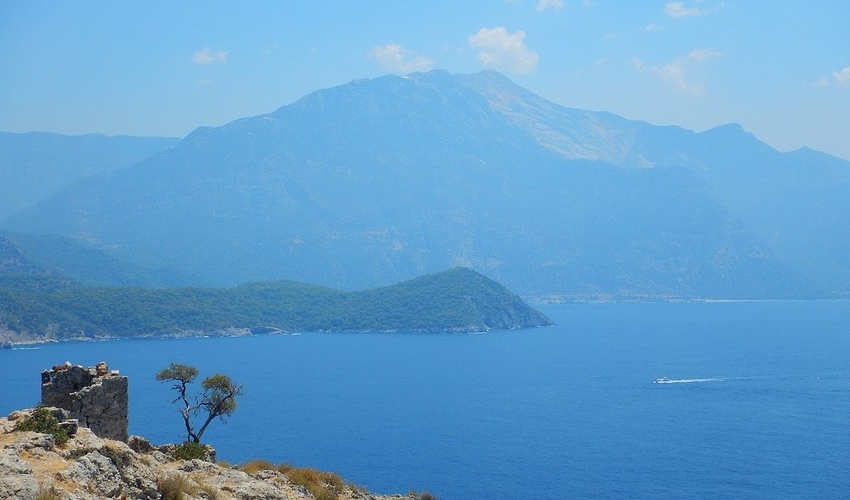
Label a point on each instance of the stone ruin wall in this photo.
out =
(96, 397)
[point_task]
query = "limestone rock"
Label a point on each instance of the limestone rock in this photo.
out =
(16, 477)
(103, 407)
(89, 467)
(96, 473)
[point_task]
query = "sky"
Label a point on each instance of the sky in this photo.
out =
(779, 68)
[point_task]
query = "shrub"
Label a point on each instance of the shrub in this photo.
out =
(49, 493)
(121, 459)
(42, 420)
(175, 487)
(190, 451)
(421, 496)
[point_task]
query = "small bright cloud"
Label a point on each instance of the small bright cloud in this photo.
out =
(842, 76)
(207, 56)
(698, 55)
(393, 57)
(503, 51)
(673, 73)
(652, 27)
(546, 4)
(678, 9)
(677, 73)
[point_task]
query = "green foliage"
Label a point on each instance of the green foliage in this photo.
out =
(190, 451)
(220, 394)
(458, 300)
(218, 398)
(179, 373)
(42, 420)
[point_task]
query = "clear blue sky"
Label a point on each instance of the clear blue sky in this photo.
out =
(780, 68)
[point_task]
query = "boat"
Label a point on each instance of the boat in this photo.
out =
(662, 380)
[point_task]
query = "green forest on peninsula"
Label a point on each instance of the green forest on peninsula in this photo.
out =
(457, 300)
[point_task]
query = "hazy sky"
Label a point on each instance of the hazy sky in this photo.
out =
(780, 68)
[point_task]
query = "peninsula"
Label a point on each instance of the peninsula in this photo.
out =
(458, 300)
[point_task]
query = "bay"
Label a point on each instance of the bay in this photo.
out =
(761, 407)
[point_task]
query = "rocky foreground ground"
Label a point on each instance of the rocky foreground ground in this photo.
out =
(34, 467)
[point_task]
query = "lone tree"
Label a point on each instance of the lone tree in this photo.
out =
(217, 399)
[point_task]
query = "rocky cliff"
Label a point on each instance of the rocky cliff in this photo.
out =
(95, 397)
(34, 466)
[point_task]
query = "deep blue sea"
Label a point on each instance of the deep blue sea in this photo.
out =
(760, 408)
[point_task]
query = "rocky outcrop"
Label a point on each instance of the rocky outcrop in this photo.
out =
(96, 397)
(88, 467)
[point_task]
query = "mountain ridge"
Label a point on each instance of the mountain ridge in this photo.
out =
(381, 180)
(34, 165)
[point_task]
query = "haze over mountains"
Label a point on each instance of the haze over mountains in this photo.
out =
(38, 164)
(378, 181)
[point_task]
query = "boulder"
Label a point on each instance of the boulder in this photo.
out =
(16, 477)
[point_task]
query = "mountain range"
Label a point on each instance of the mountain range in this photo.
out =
(37, 164)
(377, 181)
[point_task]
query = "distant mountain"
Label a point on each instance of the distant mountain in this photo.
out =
(50, 262)
(381, 180)
(454, 301)
(37, 164)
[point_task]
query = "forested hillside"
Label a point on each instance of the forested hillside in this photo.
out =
(457, 300)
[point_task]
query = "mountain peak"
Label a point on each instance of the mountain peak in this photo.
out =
(375, 181)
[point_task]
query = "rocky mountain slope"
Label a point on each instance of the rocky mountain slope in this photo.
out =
(37, 164)
(49, 262)
(381, 180)
(34, 467)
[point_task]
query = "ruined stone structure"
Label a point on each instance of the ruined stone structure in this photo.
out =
(96, 397)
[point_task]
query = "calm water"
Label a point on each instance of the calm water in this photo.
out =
(763, 411)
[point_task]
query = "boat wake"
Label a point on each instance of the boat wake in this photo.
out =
(665, 380)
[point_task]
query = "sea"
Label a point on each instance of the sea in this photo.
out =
(758, 404)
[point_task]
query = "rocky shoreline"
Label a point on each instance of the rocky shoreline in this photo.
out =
(33, 466)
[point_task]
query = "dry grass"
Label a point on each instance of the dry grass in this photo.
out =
(175, 487)
(323, 485)
(421, 496)
(49, 493)
(255, 466)
(211, 492)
